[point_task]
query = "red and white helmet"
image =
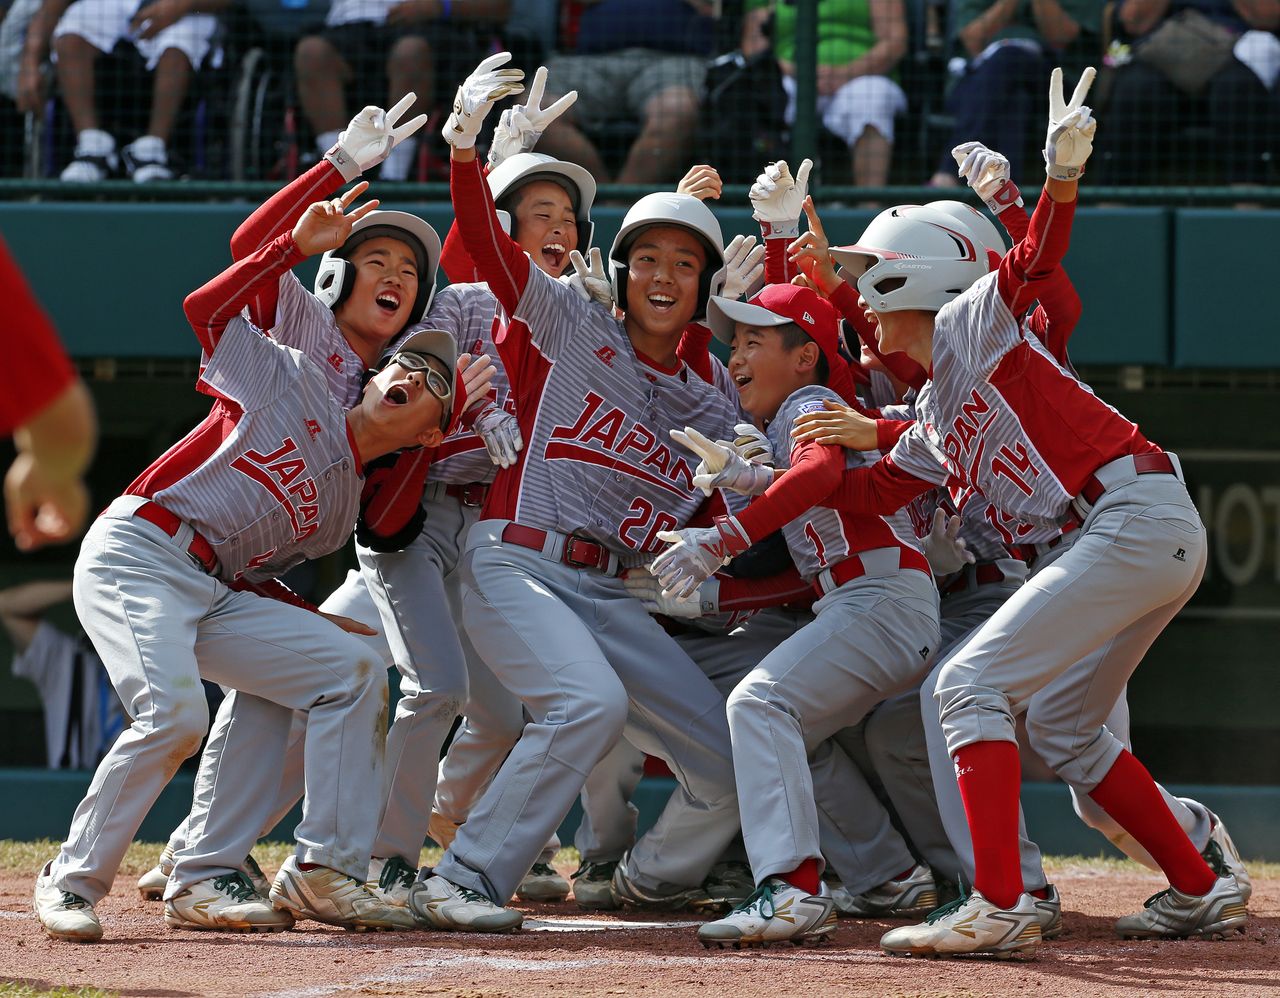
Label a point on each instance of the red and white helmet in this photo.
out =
(979, 226)
(524, 168)
(913, 257)
(683, 211)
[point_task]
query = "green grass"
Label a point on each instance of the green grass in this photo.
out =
(16, 989)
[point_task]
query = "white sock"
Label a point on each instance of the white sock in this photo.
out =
(400, 161)
(94, 142)
(326, 141)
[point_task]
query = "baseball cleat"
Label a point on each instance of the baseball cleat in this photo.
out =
(442, 904)
(776, 912)
(1228, 857)
(627, 894)
(970, 925)
(334, 898)
(390, 880)
(1174, 915)
(1049, 911)
(913, 896)
(728, 886)
(64, 915)
(442, 830)
(251, 869)
(151, 884)
(227, 903)
(593, 886)
(542, 883)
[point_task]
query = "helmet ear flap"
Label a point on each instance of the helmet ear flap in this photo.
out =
(334, 280)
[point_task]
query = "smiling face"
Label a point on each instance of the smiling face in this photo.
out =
(398, 402)
(385, 288)
(765, 370)
(665, 264)
(546, 227)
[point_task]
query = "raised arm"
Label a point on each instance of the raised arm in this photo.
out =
(776, 203)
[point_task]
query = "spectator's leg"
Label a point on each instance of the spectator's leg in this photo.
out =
(169, 89)
(75, 64)
(410, 69)
(563, 139)
(322, 76)
(861, 112)
(670, 119)
(1142, 104)
(1242, 113)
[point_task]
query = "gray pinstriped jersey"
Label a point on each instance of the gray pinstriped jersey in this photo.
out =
(307, 324)
(282, 487)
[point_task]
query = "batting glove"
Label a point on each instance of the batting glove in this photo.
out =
(370, 136)
(721, 467)
(696, 554)
(520, 127)
(590, 282)
(644, 586)
(987, 172)
(744, 267)
(501, 435)
(474, 99)
(1069, 140)
(777, 197)
(944, 547)
(752, 444)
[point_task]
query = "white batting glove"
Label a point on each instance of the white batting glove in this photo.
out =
(644, 586)
(944, 547)
(696, 554)
(1069, 140)
(744, 267)
(501, 435)
(520, 126)
(987, 172)
(777, 197)
(721, 467)
(752, 444)
(591, 282)
(474, 99)
(370, 136)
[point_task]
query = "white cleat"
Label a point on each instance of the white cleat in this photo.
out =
(1229, 857)
(542, 883)
(64, 915)
(151, 884)
(442, 904)
(226, 903)
(777, 912)
(334, 898)
(1174, 915)
(1049, 911)
(970, 925)
(390, 880)
(913, 896)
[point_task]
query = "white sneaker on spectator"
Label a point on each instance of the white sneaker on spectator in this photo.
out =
(145, 160)
(94, 159)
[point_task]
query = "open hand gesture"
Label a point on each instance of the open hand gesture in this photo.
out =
(326, 224)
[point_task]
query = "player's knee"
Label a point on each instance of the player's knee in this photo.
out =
(754, 694)
(602, 711)
(181, 724)
(673, 109)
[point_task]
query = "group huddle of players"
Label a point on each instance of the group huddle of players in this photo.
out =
(820, 582)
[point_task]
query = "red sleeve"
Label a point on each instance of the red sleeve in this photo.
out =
(783, 589)
(36, 369)
(883, 488)
(211, 307)
(273, 589)
(814, 474)
(778, 268)
(1057, 315)
(694, 349)
(888, 431)
(1016, 221)
(455, 261)
(499, 260)
(1026, 268)
(274, 218)
(902, 367)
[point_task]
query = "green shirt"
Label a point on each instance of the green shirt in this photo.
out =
(844, 30)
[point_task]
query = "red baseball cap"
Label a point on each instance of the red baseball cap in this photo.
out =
(779, 304)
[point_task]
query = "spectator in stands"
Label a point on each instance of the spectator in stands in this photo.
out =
(1009, 49)
(641, 61)
(1151, 99)
(859, 44)
(173, 37)
(13, 31)
(406, 43)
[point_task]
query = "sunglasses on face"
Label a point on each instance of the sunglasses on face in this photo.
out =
(437, 383)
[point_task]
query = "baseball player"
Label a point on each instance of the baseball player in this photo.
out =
(1137, 557)
(876, 621)
(271, 477)
(595, 483)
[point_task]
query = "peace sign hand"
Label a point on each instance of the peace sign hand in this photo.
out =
(325, 225)
(370, 137)
(1069, 140)
(520, 126)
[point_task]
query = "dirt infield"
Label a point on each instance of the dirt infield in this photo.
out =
(561, 956)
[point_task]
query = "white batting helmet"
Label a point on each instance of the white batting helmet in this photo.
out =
(681, 210)
(979, 226)
(516, 171)
(912, 257)
(336, 276)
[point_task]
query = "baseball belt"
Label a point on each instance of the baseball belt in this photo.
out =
(199, 548)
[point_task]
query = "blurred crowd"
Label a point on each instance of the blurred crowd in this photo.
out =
(160, 90)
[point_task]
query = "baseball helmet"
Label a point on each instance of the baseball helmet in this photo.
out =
(524, 168)
(683, 211)
(979, 226)
(912, 257)
(337, 276)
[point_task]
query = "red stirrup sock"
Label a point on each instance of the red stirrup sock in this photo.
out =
(804, 876)
(1131, 797)
(989, 778)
